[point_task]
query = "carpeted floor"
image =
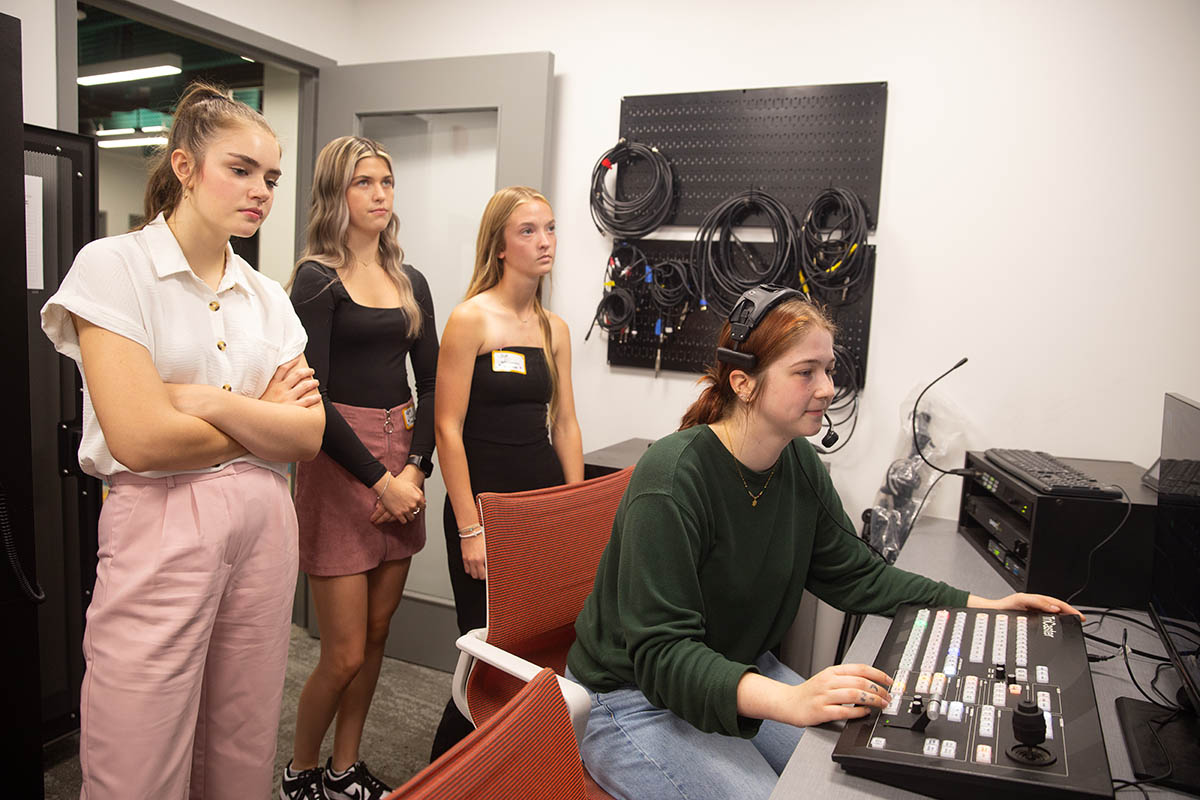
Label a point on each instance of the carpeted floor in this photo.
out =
(408, 705)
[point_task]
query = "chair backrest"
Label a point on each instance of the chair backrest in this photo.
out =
(526, 749)
(543, 547)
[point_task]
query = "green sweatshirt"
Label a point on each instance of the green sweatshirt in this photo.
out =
(696, 583)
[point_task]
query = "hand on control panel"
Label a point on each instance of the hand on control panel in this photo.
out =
(1022, 601)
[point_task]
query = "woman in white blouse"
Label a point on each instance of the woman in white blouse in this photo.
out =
(196, 395)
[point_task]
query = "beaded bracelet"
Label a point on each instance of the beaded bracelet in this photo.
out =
(470, 531)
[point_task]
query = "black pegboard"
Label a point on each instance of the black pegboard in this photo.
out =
(791, 142)
(692, 346)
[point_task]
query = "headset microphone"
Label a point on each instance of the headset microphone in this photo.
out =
(831, 436)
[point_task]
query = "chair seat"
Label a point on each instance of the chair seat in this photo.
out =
(594, 792)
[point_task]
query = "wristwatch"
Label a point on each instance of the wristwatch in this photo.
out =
(423, 463)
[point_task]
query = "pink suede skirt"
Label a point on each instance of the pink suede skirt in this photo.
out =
(334, 508)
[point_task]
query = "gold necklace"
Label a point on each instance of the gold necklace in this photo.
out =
(753, 497)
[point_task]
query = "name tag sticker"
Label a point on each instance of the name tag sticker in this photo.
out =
(410, 417)
(508, 361)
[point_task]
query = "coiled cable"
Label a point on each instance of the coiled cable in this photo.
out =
(636, 216)
(616, 308)
(833, 247)
(721, 278)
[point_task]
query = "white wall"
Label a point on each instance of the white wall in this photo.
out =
(38, 67)
(281, 106)
(122, 189)
(1039, 179)
(1039, 182)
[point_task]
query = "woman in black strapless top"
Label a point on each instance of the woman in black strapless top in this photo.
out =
(505, 414)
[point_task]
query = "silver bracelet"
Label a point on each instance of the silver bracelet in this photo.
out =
(386, 483)
(471, 531)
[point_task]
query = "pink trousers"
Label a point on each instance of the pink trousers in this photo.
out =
(186, 641)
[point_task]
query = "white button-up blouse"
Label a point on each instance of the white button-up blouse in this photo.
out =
(139, 285)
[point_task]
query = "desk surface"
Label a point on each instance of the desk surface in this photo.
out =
(937, 550)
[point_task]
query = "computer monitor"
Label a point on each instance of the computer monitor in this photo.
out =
(1164, 744)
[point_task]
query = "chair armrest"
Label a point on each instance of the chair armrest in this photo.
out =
(472, 646)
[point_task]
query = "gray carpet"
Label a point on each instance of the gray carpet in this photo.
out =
(408, 704)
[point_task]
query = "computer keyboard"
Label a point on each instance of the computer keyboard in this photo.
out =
(985, 704)
(1049, 475)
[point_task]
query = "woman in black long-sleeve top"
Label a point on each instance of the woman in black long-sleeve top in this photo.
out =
(360, 502)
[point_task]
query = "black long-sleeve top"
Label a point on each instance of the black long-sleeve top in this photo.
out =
(358, 355)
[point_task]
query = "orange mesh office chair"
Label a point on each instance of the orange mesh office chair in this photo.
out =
(525, 750)
(543, 547)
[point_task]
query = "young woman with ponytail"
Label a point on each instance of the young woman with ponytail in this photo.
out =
(505, 412)
(360, 501)
(724, 525)
(196, 395)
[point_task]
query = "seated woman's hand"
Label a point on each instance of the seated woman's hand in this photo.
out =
(1021, 601)
(843, 691)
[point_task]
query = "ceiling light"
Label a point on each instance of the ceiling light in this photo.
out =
(152, 128)
(247, 58)
(138, 141)
(129, 69)
(114, 131)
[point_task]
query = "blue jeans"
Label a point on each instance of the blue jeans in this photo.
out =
(636, 751)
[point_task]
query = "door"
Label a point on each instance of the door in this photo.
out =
(457, 129)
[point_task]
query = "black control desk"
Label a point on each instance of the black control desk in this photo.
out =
(937, 550)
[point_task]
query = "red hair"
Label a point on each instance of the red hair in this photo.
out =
(784, 325)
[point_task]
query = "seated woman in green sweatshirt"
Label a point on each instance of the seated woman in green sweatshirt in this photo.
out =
(725, 523)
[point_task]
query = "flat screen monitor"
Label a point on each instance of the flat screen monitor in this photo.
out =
(1164, 742)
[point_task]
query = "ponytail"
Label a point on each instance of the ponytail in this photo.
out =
(202, 112)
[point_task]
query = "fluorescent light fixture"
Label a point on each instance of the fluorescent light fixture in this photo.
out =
(114, 131)
(152, 128)
(138, 141)
(247, 58)
(129, 69)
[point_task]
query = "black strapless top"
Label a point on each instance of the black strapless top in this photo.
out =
(506, 406)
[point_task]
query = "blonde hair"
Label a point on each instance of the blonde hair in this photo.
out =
(204, 111)
(489, 266)
(329, 221)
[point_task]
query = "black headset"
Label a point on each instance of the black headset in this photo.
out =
(747, 313)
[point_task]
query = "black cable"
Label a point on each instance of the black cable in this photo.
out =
(637, 216)
(616, 308)
(29, 588)
(845, 398)
(669, 287)
(926, 497)
(1133, 650)
(720, 279)
(917, 443)
(1112, 612)
(833, 247)
(1129, 669)
(1091, 555)
(1154, 681)
(830, 514)
(1139, 783)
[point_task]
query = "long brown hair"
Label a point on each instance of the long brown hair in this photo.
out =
(783, 326)
(489, 266)
(326, 238)
(204, 111)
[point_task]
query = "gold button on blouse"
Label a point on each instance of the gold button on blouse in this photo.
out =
(220, 344)
(227, 388)
(214, 305)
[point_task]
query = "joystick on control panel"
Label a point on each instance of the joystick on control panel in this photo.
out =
(1029, 729)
